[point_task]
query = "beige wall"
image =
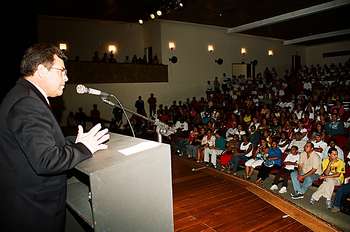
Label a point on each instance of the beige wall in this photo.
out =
(84, 36)
(314, 53)
(196, 66)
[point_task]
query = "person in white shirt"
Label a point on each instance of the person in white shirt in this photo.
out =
(208, 143)
(246, 151)
(289, 163)
(301, 129)
(298, 142)
(256, 160)
(319, 145)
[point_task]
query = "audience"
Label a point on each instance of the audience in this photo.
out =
(303, 116)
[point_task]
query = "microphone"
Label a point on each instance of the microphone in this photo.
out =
(81, 89)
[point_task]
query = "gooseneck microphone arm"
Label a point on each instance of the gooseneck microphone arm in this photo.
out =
(105, 100)
(161, 128)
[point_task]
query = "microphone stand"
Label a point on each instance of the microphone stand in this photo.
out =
(161, 128)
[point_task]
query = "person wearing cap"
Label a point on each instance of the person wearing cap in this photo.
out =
(319, 145)
(333, 174)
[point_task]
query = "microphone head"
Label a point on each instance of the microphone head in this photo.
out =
(81, 89)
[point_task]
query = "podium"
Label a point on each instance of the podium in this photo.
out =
(127, 187)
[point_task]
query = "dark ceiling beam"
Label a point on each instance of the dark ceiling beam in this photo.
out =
(317, 36)
(291, 15)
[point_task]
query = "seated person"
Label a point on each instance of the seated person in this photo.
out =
(256, 160)
(309, 170)
(332, 144)
(246, 151)
(343, 191)
(193, 143)
(208, 141)
(283, 143)
(298, 141)
(333, 174)
(290, 163)
(274, 159)
(213, 151)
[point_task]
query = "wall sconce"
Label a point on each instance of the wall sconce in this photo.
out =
(173, 58)
(112, 48)
(270, 52)
(63, 46)
(172, 45)
(210, 48)
(243, 51)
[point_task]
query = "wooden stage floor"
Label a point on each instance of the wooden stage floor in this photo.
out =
(206, 200)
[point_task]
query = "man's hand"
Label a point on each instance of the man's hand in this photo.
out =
(93, 139)
(301, 178)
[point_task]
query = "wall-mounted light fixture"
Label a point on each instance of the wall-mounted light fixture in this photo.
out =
(172, 45)
(270, 52)
(210, 48)
(140, 21)
(112, 48)
(173, 58)
(243, 51)
(63, 46)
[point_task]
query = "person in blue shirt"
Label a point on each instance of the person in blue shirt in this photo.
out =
(274, 160)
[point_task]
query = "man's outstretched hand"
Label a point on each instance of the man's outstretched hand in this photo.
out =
(93, 139)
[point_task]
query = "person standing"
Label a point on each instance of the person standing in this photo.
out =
(34, 154)
(140, 106)
(152, 102)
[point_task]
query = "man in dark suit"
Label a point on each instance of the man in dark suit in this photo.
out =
(34, 155)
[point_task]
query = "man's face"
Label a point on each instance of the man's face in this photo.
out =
(308, 148)
(318, 138)
(55, 79)
(294, 150)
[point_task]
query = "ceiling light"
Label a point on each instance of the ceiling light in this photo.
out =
(152, 16)
(140, 21)
(159, 13)
(181, 4)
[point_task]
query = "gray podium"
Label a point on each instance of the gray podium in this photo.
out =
(127, 187)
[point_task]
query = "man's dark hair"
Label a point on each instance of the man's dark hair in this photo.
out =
(332, 149)
(40, 53)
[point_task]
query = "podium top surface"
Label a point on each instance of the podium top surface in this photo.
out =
(121, 148)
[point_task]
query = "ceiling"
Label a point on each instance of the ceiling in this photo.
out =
(225, 13)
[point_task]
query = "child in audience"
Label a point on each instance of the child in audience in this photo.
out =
(290, 163)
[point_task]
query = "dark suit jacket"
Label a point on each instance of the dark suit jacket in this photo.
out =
(34, 158)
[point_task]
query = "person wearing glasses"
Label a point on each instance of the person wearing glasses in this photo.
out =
(34, 154)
